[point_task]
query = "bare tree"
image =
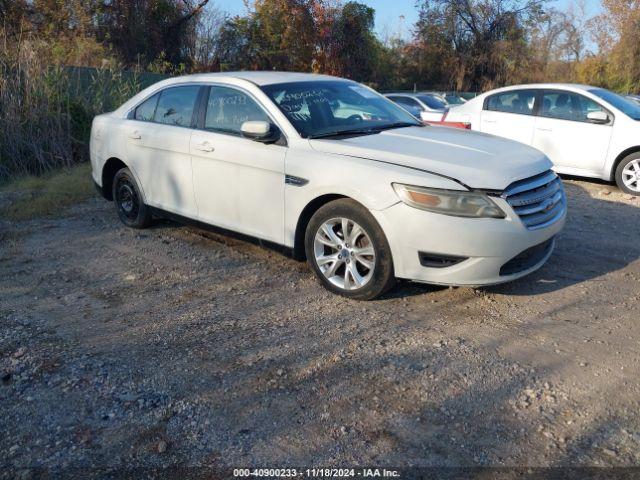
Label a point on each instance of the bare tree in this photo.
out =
(205, 53)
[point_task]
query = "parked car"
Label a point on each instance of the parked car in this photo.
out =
(585, 131)
(426, 107)
(634, 98)
(438, 96)
(334, 172)
(423, 107)
(453, 98)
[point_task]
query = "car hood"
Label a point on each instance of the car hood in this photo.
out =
(476, 159)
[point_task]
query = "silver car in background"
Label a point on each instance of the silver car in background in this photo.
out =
(634, 98)
(452, 98)
(427, 107)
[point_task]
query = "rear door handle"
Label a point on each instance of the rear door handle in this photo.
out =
(135, 135)
(544, 129)
(204, 147)
(490, 121)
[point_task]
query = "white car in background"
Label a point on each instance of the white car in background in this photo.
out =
(585, 131)
(427, 107)
(333, 171)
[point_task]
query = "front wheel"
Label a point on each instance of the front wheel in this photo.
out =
(128, 200)
(628, 174)
(348, 251)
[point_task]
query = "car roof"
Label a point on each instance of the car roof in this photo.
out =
(408, 94)
(260, 78)
(554, 86)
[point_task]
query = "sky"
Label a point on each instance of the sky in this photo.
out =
(396, 17)
(388, 13)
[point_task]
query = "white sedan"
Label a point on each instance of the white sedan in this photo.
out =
(585, 131)
(334, 172)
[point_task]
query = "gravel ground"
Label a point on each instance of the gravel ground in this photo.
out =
(174, 346)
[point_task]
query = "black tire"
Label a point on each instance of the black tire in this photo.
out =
(128, 200)
(621, 167)
(382, 277)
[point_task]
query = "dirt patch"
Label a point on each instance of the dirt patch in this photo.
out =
(173, 347)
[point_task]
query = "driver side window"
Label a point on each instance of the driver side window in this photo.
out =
(228, 109)
(567, 106)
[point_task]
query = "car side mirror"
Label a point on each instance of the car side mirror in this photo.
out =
(598, 117)
(260, 131)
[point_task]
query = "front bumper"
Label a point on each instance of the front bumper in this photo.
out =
(488, 244)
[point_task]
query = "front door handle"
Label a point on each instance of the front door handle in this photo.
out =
(135, 135)
(544, 129)
(204, 147)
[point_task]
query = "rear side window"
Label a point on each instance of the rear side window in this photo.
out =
(228, 109)
(409, 104)
(519, 101)
(176, 105)
(406, 102)
(146, 109)
(433, 102)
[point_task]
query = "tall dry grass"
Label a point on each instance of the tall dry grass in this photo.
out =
(46, 110)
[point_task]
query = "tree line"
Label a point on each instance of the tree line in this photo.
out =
(455, 44)
(465, 45)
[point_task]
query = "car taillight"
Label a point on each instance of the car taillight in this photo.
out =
(442, 123)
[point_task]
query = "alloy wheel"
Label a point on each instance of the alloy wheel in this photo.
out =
(631, 175)
(344, 253)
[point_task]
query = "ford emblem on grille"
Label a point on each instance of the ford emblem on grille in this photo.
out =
(548, 205)
(538, 201)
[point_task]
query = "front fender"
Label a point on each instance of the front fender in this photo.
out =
(368, 182)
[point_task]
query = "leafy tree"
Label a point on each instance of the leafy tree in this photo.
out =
(276, 35)
(617, 32)
(302, 35)
(356, 46)
(287, 34)
(237, 47)
(142, 31)
(481, 43)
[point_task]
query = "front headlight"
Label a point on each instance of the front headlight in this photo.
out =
(449, 202)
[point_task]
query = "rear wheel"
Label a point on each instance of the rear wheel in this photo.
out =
(348, 251)
(628, 174)
(128, 201)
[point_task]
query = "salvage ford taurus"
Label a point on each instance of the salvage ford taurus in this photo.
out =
(335, 172)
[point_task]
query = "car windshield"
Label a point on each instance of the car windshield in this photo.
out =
(623, 104)
(432, 101)
(454, 99)
(334, 108)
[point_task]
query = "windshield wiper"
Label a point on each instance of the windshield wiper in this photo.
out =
(398, 125)
(338, 133)
(364, 131)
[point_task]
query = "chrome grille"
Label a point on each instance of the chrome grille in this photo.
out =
(539, 201)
